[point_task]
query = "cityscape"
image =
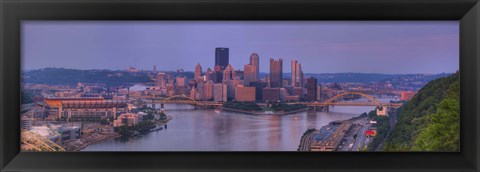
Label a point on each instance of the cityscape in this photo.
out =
(228, 106)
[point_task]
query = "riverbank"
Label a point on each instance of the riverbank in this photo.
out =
(263, 112)
(87, 140)
(95, 138)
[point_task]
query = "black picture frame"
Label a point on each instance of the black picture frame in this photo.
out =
(14, 11)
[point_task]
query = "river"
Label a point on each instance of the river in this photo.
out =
(206, 130)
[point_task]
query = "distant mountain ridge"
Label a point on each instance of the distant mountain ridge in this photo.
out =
(62, 76)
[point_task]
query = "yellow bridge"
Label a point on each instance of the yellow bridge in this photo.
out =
(332, 101)
(182, 99)
(33, 142)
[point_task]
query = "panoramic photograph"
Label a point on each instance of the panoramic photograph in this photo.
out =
(342, 86)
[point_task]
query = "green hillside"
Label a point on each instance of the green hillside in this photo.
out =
(430, 121)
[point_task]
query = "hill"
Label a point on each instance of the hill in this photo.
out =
(61, 76)
(430, 120)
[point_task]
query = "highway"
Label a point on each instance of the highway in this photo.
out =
(361, 138)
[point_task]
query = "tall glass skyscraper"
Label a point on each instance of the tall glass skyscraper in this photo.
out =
(221, 57)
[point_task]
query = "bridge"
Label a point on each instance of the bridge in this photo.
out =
(333, 101)
(180, 99)
(30, 141)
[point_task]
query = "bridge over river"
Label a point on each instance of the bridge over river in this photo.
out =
(336, 100)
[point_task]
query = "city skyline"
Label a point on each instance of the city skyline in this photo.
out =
(94, 47)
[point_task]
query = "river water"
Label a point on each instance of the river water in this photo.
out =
(206, 130)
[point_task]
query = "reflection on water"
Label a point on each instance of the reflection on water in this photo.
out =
(206, 130)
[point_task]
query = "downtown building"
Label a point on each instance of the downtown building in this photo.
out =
(220, 92)
(221, 57)
(311, 87)
(271, 94)
(161, 80)
(249, 74)
(245, 94)
(198, 73)
(217, 74)
(255, 61)
(208, 90)
(297, 74)
(276, 73)
(228, 73)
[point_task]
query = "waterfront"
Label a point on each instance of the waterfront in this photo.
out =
(206, 130)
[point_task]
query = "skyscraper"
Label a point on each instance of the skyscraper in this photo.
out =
(208, 74)
(218, 74)
(319, 93)
(276, 73)
(161, 80)
(228, 73)
(221, 57)
(297, 74)
(198, 73)
(181, 81)
(249, 74)
(208, 89)
(311, 89)
(220, 92)
(255, 61)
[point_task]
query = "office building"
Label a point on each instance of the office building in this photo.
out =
(218, 74)
(276, 73)
(259, 85)
(245, 93)
(297, 74)
(249, 74)
(220, 92)
(228, 73)
(271, 94)
(208, 90)
(255, 61)
(231, 84)
(208, 74)
(161, 80)
(198, 73)
(311, 87)
(200, 91)
(319, 93)
(181, 81)
(221, 57)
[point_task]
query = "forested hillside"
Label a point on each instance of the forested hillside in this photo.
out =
(430, 121)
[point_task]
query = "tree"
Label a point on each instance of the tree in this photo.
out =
(442, 134)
